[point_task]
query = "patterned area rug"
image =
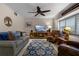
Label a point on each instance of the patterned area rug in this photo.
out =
(40, 48)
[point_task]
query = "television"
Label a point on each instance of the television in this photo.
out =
(40, 28)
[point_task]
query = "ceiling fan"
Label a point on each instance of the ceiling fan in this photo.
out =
(39, 11)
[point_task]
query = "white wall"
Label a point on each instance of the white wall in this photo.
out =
(36, 21)
(18, 22)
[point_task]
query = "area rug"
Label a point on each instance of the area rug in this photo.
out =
(40, 48)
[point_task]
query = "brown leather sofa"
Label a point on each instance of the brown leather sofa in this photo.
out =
(56, 40)
(69, 48)
(54, 35)
(60, 40)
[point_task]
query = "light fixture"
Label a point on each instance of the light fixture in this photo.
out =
(49, 27)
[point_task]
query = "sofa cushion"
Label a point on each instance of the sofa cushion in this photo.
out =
(16, 34)
(4, 36)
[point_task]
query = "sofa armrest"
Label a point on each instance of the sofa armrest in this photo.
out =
(60, 40)
(66, 50)
(73, 43)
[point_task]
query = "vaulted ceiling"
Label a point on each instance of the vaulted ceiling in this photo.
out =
(23, 9)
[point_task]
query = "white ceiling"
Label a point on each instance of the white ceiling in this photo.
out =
(23, 9)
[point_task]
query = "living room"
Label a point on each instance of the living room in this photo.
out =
(39, 29)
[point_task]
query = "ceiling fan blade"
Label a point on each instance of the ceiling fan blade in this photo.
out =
(36, 14)
(45, 11)
(42, 14)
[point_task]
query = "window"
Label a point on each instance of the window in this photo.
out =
(77, 24)
(61, 25)
(70, 22)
